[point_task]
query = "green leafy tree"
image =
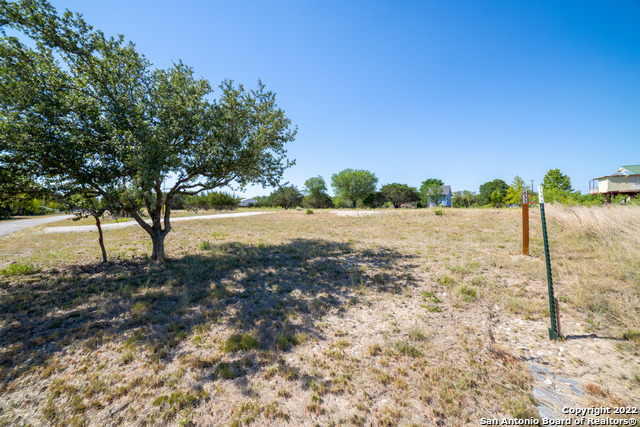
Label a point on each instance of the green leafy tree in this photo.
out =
(286, 197)
(341, 203)
(375, 200)
(80, 109)
(324, 201)
(464, 199)
(514, 192)
(263, 201)
(214, 200)
(399, 194)
(487, 189)
(315, 190)
(557, 188)
(497, 197)
(431, 191)
(353, 185)
(556, 180)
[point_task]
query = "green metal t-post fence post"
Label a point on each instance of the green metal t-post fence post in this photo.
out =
(553, 311)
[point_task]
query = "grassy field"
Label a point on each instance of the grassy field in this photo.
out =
(399, 318)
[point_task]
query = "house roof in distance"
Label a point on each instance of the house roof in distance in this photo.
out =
(624, 171)
(634, 169)
(446, 189)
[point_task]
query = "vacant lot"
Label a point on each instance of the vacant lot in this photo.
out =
(404, 318)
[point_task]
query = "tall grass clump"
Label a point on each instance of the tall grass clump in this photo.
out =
(597, 251)
(615, 227)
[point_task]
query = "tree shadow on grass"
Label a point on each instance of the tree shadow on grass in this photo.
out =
(269, 296)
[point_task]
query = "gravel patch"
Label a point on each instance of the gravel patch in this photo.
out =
(355, 213)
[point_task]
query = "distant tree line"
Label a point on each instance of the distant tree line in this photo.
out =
(357, 188)
(213, 200)
(353, 188)
(25, 204)
(497, 193)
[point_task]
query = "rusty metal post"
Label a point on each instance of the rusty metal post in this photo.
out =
(525, 222)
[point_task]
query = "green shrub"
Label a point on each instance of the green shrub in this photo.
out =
(5, 212)
(309, 212)
(438, 212)
(19, 268)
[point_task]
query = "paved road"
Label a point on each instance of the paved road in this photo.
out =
(112, 226)
(8, 227)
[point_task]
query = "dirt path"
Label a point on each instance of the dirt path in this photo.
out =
(9, 227)
(85, 228)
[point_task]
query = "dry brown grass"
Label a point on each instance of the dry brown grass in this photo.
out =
(323, 319)
(598, 257)
(615, 227)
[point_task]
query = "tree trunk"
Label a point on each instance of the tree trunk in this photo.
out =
(158, 246)
(155, 230)
(354, 204)
(101, 239)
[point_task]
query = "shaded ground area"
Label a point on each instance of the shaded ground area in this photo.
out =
(257, 289)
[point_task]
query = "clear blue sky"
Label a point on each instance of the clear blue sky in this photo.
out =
(464, 91)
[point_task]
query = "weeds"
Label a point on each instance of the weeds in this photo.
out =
(408, 349)
(18, 268)
(238, 342)
(631, 335)
(446, 280)
(467, 293)
(205, 245)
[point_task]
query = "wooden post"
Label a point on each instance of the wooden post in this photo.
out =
(525, 222)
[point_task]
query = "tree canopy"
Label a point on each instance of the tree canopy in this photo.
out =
(353, 185)
(375, 200)
(556, 180)
(315, 190)
(464, 199)
(83, 112)
(399, 194)
(286, 197)
(488, 188)
(431, 191)
(514, 192)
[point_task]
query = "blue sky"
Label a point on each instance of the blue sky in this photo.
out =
(464, 91)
